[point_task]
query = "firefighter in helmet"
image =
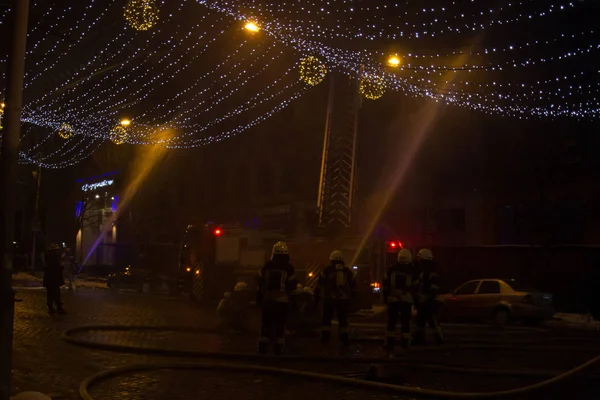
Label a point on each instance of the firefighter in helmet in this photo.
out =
(429, 286)
(335, 287)
(276, 282)
(397, 292)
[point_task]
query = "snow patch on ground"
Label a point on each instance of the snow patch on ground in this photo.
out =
(578, 321)
(31, 396)
(89, 284)
(25, 277)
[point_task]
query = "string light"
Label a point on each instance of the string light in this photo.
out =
(314, 21)
(56, 48)
(141, 14)
(371, 86)
(312, 70)
(89, 104)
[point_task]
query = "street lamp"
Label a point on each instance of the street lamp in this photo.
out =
(393, 61)
(2, 105)
(125, 122)
(251, 27)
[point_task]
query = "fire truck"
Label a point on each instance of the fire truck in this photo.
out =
(214, 257)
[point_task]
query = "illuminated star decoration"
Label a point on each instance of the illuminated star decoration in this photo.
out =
(142, 14)
(118, 134)
(371, 86)
(312, 70)
(65, 131)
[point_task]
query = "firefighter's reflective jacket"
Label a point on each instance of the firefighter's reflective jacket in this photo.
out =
(399, 284)
(276, 282)
(336, 282)
(429, 284)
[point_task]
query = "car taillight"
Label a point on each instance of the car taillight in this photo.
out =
(527, 300)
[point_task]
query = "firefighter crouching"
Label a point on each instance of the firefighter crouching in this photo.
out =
(276, 282)
(429, 286)
(233, 308)
(335, 287)
(397, 292)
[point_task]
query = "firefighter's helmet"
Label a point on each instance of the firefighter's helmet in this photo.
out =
(336, 255)
(280, 248)
(425, 254)
(404, 256)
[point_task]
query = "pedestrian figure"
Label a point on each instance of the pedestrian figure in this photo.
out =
(69, 267)
(53, 279)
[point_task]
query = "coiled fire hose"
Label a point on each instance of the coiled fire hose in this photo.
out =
(552, 378)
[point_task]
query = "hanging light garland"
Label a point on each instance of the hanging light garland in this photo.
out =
(325, 39)
(141, 14)
(65, 131)
(312, 70)
(371, 86)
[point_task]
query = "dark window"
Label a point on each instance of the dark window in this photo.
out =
(450, 221)
(489, 287)
(467, 288)
(241, 189)
(182, 194)
(288, 180)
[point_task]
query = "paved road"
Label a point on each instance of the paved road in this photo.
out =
(43, 362)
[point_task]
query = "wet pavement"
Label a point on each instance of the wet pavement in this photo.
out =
(43, 362)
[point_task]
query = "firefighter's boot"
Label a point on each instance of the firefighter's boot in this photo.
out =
(439, 337)
(419, 338)
(325, 335)
(390, 342)
(405, 343)
(278, 350)
(345, 338)
(263, 347)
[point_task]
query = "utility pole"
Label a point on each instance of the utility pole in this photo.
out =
(36, 219)
(8, 183)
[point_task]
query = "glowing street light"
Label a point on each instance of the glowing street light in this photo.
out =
(125, 122)
(393, 61)
(252, 27)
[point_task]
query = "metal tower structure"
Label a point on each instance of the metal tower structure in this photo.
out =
(337, 185)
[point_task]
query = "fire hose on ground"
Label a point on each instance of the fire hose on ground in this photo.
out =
(551, 377)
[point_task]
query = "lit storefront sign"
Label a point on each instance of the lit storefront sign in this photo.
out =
(97, 185)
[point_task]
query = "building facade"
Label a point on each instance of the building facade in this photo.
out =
(95, 213)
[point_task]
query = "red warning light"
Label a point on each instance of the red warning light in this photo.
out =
(393, 246)
(218, 232)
